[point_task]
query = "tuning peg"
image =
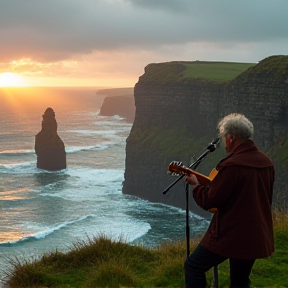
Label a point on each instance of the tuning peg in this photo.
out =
(178, 163)
(175, 174)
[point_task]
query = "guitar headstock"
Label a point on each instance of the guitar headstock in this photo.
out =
(176, 168)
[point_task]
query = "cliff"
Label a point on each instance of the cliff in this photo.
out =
(119, 105)
(178, 105)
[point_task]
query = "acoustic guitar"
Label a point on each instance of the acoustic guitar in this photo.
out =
(178, 168)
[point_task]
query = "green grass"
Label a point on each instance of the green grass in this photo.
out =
(182, 72)
(274, 65)
(190, 72)
(279, 151)
(102, 262)
(166, 141)
(216, 71)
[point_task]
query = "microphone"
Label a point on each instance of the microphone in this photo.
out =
(213, 145)
(216, 141)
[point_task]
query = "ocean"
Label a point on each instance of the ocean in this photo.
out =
(41, 211)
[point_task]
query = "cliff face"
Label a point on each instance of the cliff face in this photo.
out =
(176, 119)
(119, 105)
(261, 94)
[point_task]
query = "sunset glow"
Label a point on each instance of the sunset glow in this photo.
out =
(9, 79)
(82, 48)
(93, 70)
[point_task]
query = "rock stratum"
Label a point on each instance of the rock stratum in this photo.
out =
(49, 147)
(178, 105)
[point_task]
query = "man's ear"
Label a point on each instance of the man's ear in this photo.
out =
(231, 138)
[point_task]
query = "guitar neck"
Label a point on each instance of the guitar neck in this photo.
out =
(204, 180)
(178, 167)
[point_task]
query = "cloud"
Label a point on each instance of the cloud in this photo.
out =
(57, 30)
(182, 6)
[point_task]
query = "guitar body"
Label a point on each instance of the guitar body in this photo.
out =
(213, 174)
(179, 168)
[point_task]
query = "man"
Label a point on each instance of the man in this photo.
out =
(241, 229)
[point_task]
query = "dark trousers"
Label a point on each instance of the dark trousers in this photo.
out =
(202, 260)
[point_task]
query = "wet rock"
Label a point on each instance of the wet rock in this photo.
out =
(49, 148)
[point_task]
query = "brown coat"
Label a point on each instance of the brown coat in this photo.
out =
(242, 192)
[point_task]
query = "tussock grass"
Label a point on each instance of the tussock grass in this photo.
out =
(102, 262)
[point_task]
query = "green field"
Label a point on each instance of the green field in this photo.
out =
(215, 71)
(188, 72)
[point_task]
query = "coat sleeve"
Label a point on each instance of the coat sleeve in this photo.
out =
(220, 190)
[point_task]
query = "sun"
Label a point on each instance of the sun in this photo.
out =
(9, 79)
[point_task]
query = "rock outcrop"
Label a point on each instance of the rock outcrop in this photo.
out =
(119, 105)
(49, 148)
(176, 119)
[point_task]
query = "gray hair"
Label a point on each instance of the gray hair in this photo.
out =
(236, 124)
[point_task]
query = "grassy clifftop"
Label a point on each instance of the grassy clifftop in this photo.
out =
(214, 72)
(271, 68)
(189, 72)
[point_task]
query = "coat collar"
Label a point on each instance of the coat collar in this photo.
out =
(246, 154)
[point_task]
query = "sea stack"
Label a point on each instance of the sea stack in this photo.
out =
(49, 148)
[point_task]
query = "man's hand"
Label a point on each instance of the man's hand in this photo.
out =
(191, 179)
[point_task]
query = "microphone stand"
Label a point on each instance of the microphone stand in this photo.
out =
(210, 148)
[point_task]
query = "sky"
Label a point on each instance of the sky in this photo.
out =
(109, 42)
